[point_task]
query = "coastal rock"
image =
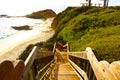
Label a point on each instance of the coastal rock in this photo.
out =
(55, 22)
(42, 14)
(4, 16)
(25, 27)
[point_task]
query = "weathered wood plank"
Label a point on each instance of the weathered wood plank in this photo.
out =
(68, 49)
(29, 62)
(104, 65)
(54, 48)
(78, 54)
(10, 70)
(18, 69)
(115, 68)
(94, 63)
(5, 68)
(31, 56)
(79, 70)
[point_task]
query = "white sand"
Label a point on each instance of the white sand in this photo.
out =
(12, 47)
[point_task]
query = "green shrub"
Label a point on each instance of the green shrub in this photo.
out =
(26, 52)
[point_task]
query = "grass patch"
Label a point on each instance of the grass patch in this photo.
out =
(98, 28)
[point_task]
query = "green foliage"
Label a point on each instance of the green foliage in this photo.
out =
(49, 45)
(98, 28)
(105, 42)
(107, 48)
(26, 52)
(115, 7)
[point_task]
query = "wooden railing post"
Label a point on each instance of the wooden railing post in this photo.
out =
(93, 61)
(54, 48)
(90, 73)
(87, 69)
(29, 62)
(11, 70)
(95, 70)
(68, 48)
(107, 72)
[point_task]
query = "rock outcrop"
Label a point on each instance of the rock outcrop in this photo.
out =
(42, 14)
(25, 27)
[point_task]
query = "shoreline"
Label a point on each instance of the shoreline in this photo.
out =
(13, 51)
(12, 47)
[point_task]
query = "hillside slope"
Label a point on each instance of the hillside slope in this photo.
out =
(42, 14)
(90, 26)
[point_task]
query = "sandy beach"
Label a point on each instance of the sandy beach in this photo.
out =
(12, 47)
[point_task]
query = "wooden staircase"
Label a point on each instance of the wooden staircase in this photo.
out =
(64, 70)
(60, 64)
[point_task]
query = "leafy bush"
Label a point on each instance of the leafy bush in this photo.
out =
(26, 52)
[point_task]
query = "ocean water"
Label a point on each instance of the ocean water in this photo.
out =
(14, 42)
(6, 24)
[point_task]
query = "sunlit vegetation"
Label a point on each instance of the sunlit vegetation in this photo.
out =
(28, 50)
(81, 27)
(98, 28)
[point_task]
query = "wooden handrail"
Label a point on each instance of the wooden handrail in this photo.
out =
(45, 66)
(79, 70)
(100, 70)
(68, 49)
(54, 48)
(114, 67)
(31, 56)
(104, 65)
(93, 61)
(42, 70)
(18, 70)
(78, 54)
(29, 62)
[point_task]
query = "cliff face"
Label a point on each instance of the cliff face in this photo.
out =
(42, 14)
